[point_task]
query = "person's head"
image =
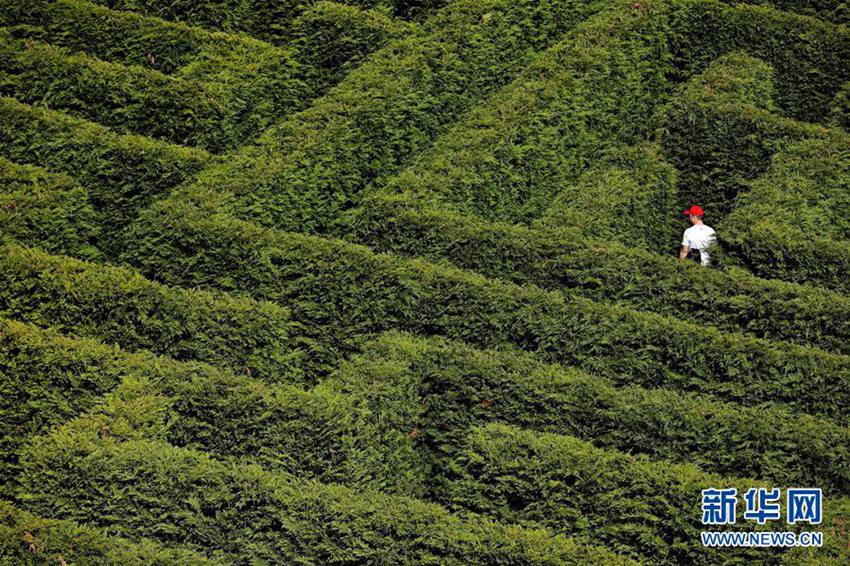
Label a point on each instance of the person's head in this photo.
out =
(694, 214)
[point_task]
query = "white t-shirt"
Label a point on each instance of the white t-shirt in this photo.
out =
(699, 237)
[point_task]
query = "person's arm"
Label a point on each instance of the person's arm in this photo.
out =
(683, 253)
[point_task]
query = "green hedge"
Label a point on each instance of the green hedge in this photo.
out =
(718, 138)
(510, 157)
(572, 108)
(268, 81)
(50, 379)
(627, 196)
(330, 39)
(128, 38)
(809, 56)
(790, 224)
(270, 21)
(830, 10)
(151, 489)
(427, 393)
(390, 108)
(47, 380)
(318, 434)
(258, 81)
(560, 259)
(841, 108)
(31, 540)
(647, 510)
(228, 15)
(413, 8)
(117, 306)
(132, 100)
(342, 291)
(394, 416)
(735, 77)
(806, 190)
(89, 439)
(48, 210)
(329, 156)
(771, 251)
(121, 172)
(121, 37)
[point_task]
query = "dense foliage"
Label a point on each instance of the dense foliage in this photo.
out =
(395, 281)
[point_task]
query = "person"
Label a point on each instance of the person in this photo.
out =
(698, 238)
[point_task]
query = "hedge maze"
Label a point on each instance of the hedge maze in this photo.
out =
(395, 282)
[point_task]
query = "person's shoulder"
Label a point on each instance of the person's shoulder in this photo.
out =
(709, 229)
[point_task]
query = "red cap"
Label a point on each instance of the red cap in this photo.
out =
(695, 210)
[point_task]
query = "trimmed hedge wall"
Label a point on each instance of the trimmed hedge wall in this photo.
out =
(804, 236)
(648, 510)
(795, 258)
(268, 80)
(626, 197)
(341, 145)
(133, 39)
(342, 292)
(391, 107)
(132, 100)
(830, 10)
(152, 489)
(30, 540)
(572, 108)
(806, 190)
(115, 305)
(841, 108)
(215, 99)
(318, 435)
(737, 78)
(322, 172)
(270, 21)
(413, 8)
(396, 416)
(330, 39)
(50, 379)
(771, 251)
(110, 35)
(257, 80)
(809, 57)
(47, 380)
(122, 173)
(427, 393)
(140, 413)
(495, 164)
(560, 259)
(242, 16)
(718, 141)
(48, 210)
